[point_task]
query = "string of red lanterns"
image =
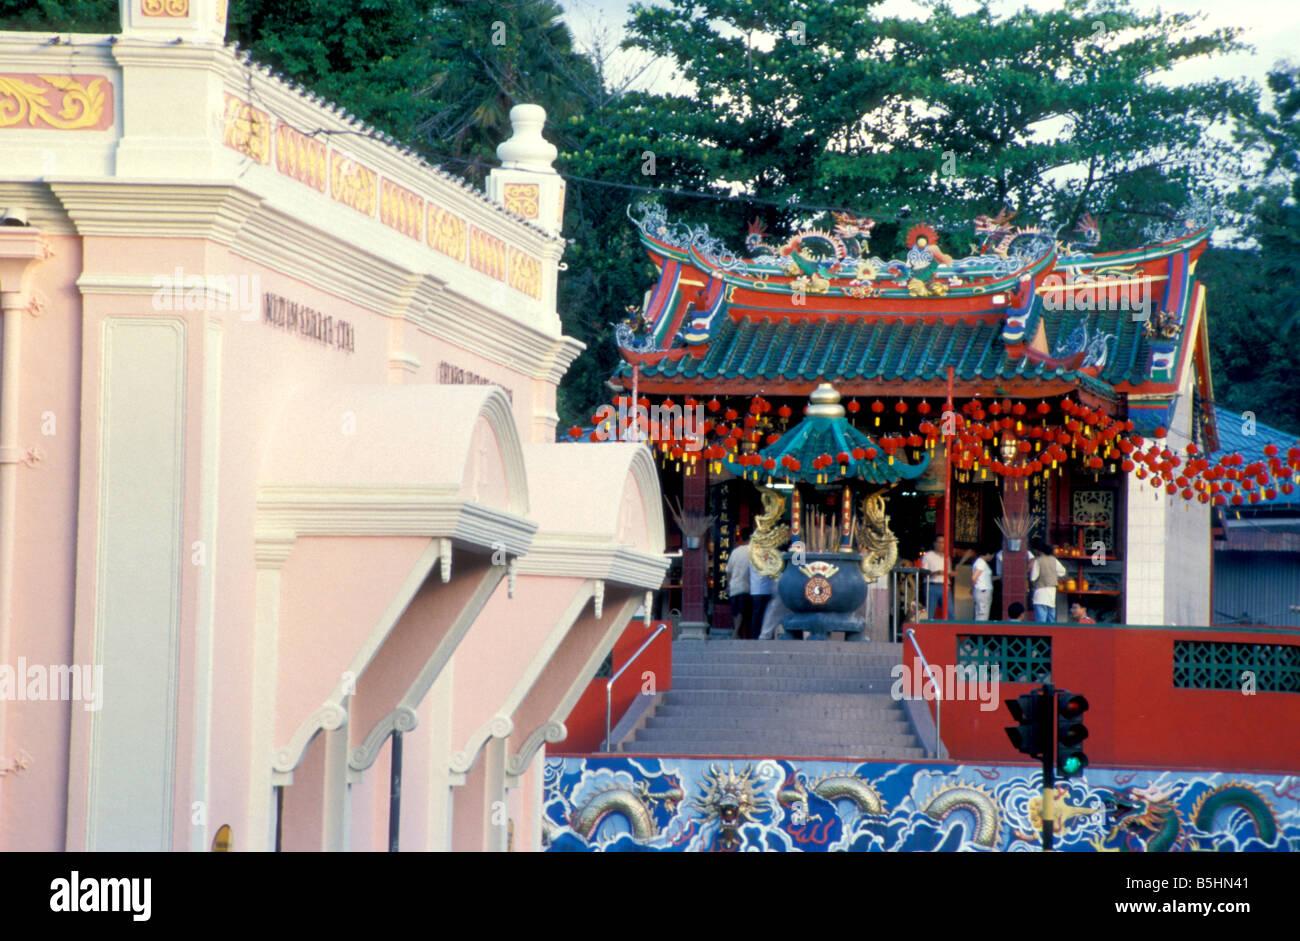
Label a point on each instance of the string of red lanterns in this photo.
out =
(1023, 450)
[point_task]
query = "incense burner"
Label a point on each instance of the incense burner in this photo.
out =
(824, 593)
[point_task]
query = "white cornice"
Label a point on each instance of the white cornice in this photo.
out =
(611, 563)
(197, 210)
(387, 511)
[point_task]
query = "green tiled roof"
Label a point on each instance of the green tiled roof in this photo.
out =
(847, 349)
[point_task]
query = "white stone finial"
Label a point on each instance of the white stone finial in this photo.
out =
(527, 149)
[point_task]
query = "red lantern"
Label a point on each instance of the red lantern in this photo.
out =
(731, 414)
(769, 464)
(784, 411)
(900, 406)
(575, 432)
(871, 454)
(924, 408)
(1162, 432)
(854, 407)
(842, 457)
(877, 406)
(714, 405)
(1043, 408)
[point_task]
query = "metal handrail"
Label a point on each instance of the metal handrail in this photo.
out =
(609, 687)
(938, 693)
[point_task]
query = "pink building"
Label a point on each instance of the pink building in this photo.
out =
(279, 492)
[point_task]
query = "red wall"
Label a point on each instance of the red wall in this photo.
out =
(586, 723)
(1136, 716)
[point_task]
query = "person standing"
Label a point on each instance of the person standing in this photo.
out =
(932, 562)
(760, 593)
(738, 586)
(982, 585)
(1044, 575)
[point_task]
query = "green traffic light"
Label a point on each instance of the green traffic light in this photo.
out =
(1072, 765)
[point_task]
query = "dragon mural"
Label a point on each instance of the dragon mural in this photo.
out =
(630, 803)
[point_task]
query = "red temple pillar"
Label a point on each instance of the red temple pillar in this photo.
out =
(695, 561)
(1015, 567)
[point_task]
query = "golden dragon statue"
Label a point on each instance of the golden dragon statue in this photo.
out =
(879, 546)
(769, 535)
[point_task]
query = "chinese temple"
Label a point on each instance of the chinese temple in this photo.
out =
(1034, 379)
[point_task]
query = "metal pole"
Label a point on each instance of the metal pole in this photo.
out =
(279, 815)
(395, 794)
(947, 501)
(1049, 765)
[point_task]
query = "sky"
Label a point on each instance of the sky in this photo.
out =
(1272, 27)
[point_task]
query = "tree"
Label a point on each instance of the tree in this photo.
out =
(1255, 291)
(80, 16)
(368, 56)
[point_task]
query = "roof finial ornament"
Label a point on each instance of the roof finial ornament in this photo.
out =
(825, 402)
(527, 149)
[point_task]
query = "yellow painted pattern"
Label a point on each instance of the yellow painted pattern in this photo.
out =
(521, 198)
(446, 232)
(300, 157)
(487, 253)
(81, 102)
(165, 7)
(353, 184)
(247, 130)
(525, 274)
(401, 209)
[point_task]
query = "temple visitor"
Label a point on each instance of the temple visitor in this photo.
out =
(982, 584)
(1079, 614)
(760, 593)
(738, 587)
(1045, 574)
(1016, 612)
(932, 562)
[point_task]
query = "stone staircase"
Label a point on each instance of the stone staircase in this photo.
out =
(810, 699)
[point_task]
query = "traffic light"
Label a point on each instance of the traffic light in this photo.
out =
(1070, 733)
(1033, 734)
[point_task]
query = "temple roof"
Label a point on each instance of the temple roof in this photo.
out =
(1043, 319)
(889, 350)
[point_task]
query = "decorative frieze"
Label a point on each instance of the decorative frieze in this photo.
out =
(521, 198)
(446, 232)
(352, 184)
(247, 129)
(56, 102)
(165, 8)
(301, 157)
(487, 253)
(401, 209)
(525, 274)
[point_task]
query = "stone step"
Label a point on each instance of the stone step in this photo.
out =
(773, 737)
(769, 713)
(760, 725)
(723, 748)
(771, 684)
(746, 649)
(726, 700)
(869, 671)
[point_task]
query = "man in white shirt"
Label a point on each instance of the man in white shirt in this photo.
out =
(982, 585)
(1044, 575)
(932, 562)
(997, 561)
(738, 586)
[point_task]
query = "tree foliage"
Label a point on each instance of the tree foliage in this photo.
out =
(76, 16)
